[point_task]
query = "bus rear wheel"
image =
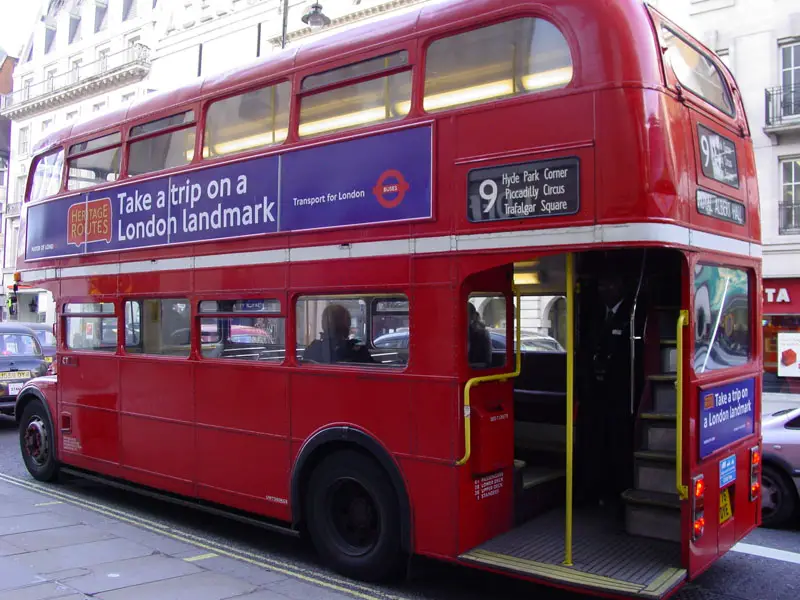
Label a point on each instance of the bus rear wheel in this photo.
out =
(353, 517)
(36, 442)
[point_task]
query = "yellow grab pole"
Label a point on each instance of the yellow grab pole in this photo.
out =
(570, 396)
(683, 490)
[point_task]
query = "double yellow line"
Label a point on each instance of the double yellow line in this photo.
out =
(333, 583)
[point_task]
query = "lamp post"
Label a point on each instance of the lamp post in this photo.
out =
(314, 18)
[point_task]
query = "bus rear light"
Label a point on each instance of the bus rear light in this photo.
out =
(755, 473)
(699, 527)
(698, 503)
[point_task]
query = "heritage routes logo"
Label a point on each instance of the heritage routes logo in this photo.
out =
(89, 222)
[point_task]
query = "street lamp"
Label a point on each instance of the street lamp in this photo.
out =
(314, 18)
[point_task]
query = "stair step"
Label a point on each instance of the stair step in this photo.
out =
(664, 393)
(659, 416)
(662, 377)
(536, 475)
(658, 435)
(656, 455)
(648, 520)
(647, 498)
(669, 342)
(654, 474)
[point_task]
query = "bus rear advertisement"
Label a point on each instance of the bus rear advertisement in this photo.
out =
(474, 282)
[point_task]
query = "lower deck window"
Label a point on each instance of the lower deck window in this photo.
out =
(90, 326)
(158, 326)
(233, 336)
(357, 330)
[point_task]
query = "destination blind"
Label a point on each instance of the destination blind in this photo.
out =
(545, 188)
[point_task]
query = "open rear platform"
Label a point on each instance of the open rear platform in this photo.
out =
(605, 558)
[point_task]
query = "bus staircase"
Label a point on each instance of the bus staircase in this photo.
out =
(640, 561)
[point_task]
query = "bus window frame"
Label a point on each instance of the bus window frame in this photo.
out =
(677, 86)
(62, 315)
(539, 12)
(409, 45)
(206, 103)
(32, 172)
(128, 139)
(69, 157)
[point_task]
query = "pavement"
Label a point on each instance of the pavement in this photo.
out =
(55, 549)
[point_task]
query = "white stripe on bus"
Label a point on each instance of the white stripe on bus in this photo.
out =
(547, 238)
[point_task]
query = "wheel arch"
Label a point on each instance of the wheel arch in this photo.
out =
(780, 464)
(332, 439)
(27, 396)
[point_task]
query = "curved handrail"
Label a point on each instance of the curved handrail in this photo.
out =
(486, 378)
(683, 490)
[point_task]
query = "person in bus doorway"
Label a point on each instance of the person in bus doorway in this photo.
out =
(479, 343)
(335, 344)
(605, 420)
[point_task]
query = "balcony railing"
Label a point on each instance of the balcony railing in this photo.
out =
(782, 105)
(132, 60)
(789, 221)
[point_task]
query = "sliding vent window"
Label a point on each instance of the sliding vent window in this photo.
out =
(501, 61)
(94, 162)
(172, 148)
(252, 120)
(377, 100)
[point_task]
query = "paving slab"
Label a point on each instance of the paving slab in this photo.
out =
(132, 572)
(7, 548)
(15, 509)
(34, 522)
(202, 586)
(81, 555)
(258, 576)
(42, 591)
(55, 538)
(300, 590)
(158, 542)
(13, 575)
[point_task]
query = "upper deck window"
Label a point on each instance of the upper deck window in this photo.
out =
(361, 69)
(377, 100)
(254, 119)
(94, 161)
(500, 61)
(173, 148)
(696, 71)
(47, 175)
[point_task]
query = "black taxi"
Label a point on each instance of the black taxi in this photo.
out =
(21, 359)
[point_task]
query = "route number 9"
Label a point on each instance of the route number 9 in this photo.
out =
(705, 148)
(488, 191)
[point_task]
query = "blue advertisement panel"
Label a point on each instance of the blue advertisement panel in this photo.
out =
(726, 414)
(379, 179)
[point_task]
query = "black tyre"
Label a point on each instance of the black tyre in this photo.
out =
(353, 517)
(36, 442)
(778, 498)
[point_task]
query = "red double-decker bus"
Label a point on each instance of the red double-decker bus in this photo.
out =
(479, 282)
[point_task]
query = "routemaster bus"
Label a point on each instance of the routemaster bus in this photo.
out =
(478, 282)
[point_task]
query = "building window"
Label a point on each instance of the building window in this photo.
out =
(22, 181)
(102, 57)
(3, 171)
(71, 116)
(128, 9)
(500, 61)
(364, 330)
(98, 107)
(75, 70)
(50, 79)
(74, 29)
(161, 327)
(24, 141)
(46, 124)
(100, 17)
(49, 39)
(128, 97)
(242, 330)
(12, 237)
(26, 88)
(789, 220)
(90, 326)
(790, 80)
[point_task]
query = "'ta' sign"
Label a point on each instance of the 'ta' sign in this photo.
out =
(777, 295)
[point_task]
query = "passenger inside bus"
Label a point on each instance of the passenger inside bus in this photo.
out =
(479, 344)
(335, 345)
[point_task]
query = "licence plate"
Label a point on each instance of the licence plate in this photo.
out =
(12, 375)
(14, 388)
(48, 359)
(725, 511)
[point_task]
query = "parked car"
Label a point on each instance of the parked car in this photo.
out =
(44, 333)
(21, 359)
(780, 477)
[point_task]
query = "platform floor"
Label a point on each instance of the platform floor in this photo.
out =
(605, 558)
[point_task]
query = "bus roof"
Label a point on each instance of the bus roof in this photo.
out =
(621, 29)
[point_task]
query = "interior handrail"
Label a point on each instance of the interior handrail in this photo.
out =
(486, 378)
(683, 490)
